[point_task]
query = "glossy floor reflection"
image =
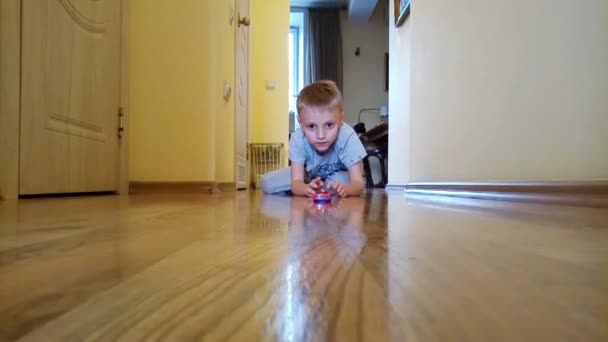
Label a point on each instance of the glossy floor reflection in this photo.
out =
(243, 266)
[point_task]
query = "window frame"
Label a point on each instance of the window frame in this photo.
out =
(295, 50)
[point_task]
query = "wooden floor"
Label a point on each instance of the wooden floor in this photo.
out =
(241, 266)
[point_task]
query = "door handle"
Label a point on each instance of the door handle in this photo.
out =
(245, 21)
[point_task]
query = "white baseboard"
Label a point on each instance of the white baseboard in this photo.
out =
(395, 187)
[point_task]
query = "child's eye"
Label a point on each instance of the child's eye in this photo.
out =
(311, 126)
(329, 125)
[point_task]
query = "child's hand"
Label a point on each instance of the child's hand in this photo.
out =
(313, 186)
(338, 188)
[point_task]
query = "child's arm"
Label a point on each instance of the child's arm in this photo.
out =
(355, 187)
(298, 187)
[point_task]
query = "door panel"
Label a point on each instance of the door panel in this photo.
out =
(70, 96)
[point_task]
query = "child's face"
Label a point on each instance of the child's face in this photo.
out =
(320, 126)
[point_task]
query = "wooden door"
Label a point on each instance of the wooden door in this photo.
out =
(70, 95)
(242, 94)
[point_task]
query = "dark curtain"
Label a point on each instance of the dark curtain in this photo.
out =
(324, 52)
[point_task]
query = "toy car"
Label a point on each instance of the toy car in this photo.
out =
(321, 196)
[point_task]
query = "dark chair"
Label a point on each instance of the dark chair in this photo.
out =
(373, 150)
(359, 128)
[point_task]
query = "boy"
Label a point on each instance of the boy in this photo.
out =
(325, 149)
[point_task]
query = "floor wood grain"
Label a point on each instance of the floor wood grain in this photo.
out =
(243, 266)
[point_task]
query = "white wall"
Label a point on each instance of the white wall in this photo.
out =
(363, 76)
(400, 42)
(503, 91)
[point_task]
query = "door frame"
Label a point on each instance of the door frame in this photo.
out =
(10, 98)
(236, 79)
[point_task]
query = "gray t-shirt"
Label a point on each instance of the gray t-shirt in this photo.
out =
(346, 151)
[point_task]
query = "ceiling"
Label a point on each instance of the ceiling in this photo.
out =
(358, 10)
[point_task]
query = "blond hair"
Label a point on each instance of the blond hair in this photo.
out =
(321, 95)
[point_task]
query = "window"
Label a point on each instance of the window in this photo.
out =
(294, 34)
(296, 64)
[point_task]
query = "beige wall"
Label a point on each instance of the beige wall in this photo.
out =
(363, 85)
(504, 94)
(269, 60)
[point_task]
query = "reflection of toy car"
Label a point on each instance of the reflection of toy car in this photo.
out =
(323, 205)
(321, 196)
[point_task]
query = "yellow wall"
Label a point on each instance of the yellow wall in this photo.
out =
(181, 129)
(269, 61)
(498, 94)
(168, 106)
(180, 54)
(222, 36)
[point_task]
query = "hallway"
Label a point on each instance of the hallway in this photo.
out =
(242, 266)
